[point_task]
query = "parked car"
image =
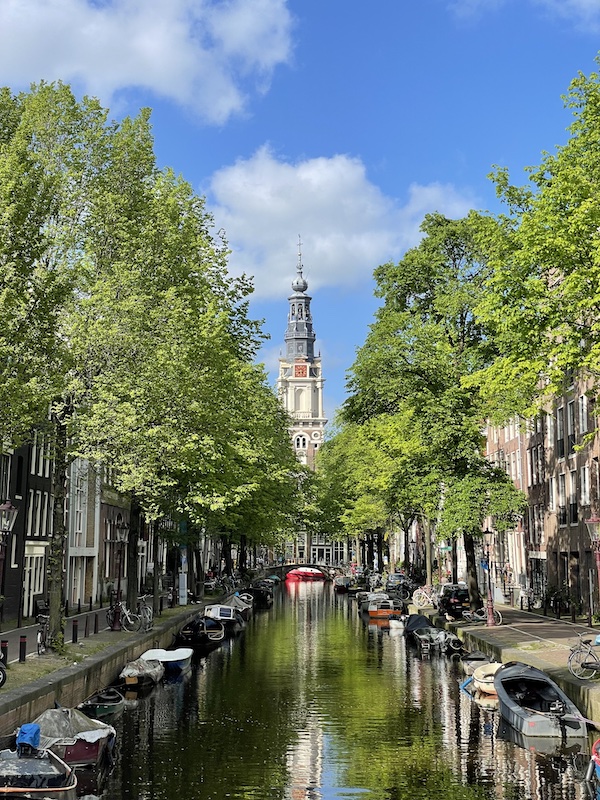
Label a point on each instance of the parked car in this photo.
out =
(453, 600)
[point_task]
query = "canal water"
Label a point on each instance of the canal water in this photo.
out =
(311, 701)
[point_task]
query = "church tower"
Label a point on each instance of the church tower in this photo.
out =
(300, 381)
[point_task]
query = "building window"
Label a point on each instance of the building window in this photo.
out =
(573, 497)
(562, 500)
(551, 494)
(585, 485)
(300, 442)
(583, 413)
(4, 476)
(571, 427)
(560, 432)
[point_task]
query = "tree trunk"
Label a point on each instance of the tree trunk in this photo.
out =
(155, 574)
(243, 556)
(132, 554)
(226, 553)
(428, 554)
(474, 595)
(56, 551)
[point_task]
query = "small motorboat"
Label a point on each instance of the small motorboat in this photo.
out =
(174, 661)
(364, 600)
(142, 671)
(29, 772)
(230, 617)
(201, 632)
(341, 583)
(306, 574)
(535, 705)
(384, 609)
(105, 703)
(472, 660)
(418, 628)
(483, 677)
(242, 603)
(75, 738)
(396, 621)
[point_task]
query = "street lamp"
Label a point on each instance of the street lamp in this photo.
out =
(8, 517)
(488, 537)
(593, 526)
(121, 531)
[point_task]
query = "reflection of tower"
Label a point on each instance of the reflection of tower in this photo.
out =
(300, 381)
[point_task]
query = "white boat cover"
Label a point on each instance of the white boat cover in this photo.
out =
(141, 668)
(159, 654)
(70, 723)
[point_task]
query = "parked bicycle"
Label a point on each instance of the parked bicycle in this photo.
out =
(425, 596)
(481, 615)
(43, 621)
(129, 620)
(583, 662)
(146, 613)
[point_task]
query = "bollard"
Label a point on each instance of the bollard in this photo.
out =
(86, 632)
(90, 604)
(95, 623)
(572, 612)
(66, 608)
(22, 648)
(79, 606)
(4, 650)
(160, 605)
(75, 629)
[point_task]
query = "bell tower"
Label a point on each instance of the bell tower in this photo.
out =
(300, 381)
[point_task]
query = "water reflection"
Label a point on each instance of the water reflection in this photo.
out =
(311, 702)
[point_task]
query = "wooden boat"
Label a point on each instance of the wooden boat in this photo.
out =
(174, 661)
(534, 705)
(383, 609)
(242, 603)
(201, 632)
(40, 775)
(230, 617)
(105, 703)
(472, 660)
(305, 574)
(142, 671)
(74, 737)
(483, 677)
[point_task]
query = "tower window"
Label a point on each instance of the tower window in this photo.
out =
(300, 442)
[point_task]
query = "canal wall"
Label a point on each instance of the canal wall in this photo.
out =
(70, 685)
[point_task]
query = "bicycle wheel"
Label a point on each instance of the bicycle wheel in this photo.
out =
(497, 617)
(583, 664)
(2, 675)
(131, 621)
(110, 617)
(403, 593)
(421, 599)
(41, 643)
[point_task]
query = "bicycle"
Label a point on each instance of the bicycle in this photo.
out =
(425, 596)
(146, 613)
(42, 633)
(583, 662)
(481, 615)
(129, 621)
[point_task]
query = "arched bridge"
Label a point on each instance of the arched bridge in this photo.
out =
(281, 570)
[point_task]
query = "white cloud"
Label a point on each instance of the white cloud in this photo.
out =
(585, 14)
(348, 226)
(202, 54)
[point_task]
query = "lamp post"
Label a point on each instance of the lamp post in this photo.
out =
(8, 517)
(593, 526)
(121, 531)
(489, 539)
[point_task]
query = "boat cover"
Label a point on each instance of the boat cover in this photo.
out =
(29, 734)
(140, 668)
(70, 723)
(416, 621)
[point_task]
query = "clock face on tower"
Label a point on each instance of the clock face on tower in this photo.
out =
(300, 371)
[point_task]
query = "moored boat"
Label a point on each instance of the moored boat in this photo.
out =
(201, 632)
(384, 609)
(42, 774)
(74, 737)
(535, 705)
(483, 677)
(178, 660)
(141, 671)
(306, 574)
(230, 617)
(470, 661)
(104, 703)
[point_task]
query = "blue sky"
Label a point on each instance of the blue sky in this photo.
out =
(341, 121)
